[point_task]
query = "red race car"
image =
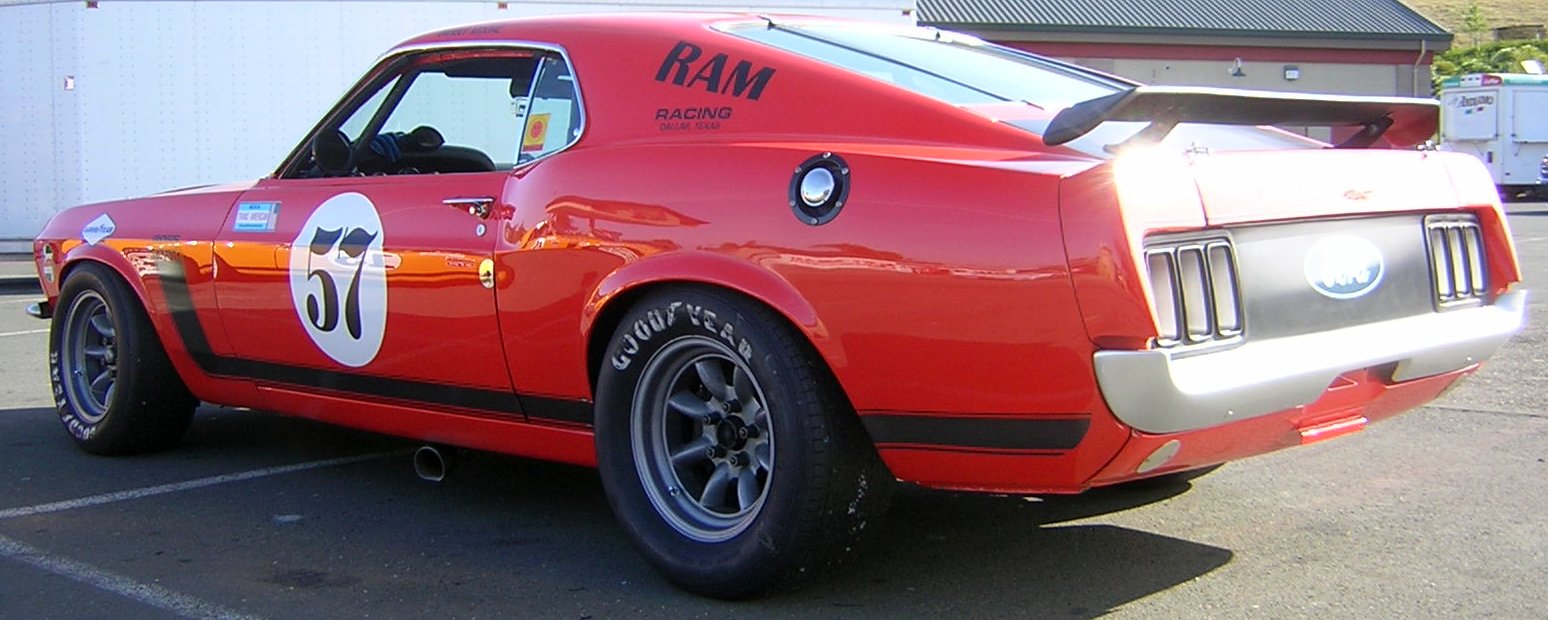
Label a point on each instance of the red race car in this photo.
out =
(757, 270)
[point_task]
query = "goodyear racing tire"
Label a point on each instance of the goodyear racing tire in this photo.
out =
(727, 451)
(114, 388)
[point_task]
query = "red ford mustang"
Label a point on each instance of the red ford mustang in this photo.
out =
(758, 269)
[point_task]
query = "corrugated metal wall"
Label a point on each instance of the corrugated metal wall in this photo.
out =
(133, 97)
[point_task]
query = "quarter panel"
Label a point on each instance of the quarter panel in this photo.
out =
(940, 287)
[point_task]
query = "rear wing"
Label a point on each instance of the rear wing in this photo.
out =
(1405, 121)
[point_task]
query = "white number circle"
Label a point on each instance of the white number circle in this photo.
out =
(337, 279)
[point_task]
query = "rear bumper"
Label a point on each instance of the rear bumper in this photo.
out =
(1156, 393)
(1111, 454)
(1354, 401)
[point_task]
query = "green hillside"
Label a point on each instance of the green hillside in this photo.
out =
(1479, 53)
(1496, 13)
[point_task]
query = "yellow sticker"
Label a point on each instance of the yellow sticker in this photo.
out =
(537, 131)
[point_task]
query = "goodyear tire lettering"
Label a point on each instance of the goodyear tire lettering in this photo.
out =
(659, 320)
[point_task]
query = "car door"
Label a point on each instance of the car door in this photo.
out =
(365, 266)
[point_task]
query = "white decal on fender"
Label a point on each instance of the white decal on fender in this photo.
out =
(98, 229)
(337, 279)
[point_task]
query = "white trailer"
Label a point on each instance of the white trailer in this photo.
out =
(111, 99)
(1502, 118)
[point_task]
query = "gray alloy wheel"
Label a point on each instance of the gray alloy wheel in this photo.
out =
(88, 356)
(703, 441)
(114, 388)
(728, 451)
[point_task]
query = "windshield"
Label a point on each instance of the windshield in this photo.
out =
(966, 71)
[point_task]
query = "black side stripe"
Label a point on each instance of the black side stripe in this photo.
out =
(174, 285)
(1054, 434)
(557, 409)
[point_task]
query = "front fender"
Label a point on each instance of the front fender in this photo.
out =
(114, 258)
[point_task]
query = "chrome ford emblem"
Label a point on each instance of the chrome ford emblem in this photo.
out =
(1344, 266)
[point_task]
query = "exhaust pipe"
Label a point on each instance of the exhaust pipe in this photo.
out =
(432, 463)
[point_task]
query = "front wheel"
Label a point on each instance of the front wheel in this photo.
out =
(727, 451)
(114, 388)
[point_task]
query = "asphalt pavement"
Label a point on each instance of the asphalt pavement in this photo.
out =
(1442, 512)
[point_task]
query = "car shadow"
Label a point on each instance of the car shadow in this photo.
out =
(964, 554)
(1001, 556)
(548, 527)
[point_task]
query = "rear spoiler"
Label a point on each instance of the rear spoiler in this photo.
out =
(1415, 120)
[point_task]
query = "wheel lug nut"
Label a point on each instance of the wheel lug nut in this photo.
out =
(712, 419)
(714, 452)
(739, 459)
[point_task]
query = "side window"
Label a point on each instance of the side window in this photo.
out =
(471, 112)
(437, 113)
(355, 125)
(554, 116)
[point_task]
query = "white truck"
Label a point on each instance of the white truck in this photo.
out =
(106, 101)
(1502, 118)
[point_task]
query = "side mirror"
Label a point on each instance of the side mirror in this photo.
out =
(333, 153)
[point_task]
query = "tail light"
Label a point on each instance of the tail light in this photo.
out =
(1457, 267)
(1195, 292)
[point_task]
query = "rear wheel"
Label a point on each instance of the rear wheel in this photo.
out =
(114, 388)
(728, 453)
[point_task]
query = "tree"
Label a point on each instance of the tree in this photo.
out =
(1495, 57)
(1473, 21)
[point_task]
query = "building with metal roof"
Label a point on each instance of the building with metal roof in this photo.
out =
(1359, 19)
(1357, 47)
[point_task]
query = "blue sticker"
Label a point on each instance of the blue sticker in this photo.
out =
(256, 217)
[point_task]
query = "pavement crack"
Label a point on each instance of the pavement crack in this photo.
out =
(1510, 414)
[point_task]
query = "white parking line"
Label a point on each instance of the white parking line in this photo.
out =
(119, 496)
(153, 595)
(30, 331)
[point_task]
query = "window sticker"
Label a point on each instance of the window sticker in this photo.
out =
(259, 217)
(537, 134)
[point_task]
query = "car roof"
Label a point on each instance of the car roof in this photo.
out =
(555, 29)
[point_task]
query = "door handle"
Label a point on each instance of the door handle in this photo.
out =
(476, 207)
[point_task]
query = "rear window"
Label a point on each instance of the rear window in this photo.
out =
(963, 70)
(951, 67)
